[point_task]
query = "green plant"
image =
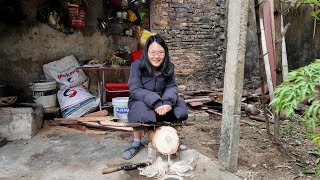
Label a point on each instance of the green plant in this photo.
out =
(288, 128)
(300, 85)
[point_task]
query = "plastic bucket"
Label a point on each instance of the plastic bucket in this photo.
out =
(44, 93)
(120, 108)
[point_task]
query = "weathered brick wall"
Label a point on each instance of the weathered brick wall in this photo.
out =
(195, 32)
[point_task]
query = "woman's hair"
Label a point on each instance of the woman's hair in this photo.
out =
(166, 67)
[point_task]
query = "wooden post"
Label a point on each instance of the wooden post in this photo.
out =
(233, 83)
(261, 66)
(278, 64)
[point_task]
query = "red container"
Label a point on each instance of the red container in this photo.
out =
(78, 15)
(116, 90)
(136, 55)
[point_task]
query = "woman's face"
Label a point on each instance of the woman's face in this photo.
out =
(156, 54)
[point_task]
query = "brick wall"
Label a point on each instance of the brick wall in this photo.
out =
(195, 32)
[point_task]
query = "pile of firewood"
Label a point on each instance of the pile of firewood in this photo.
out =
(211, 101)
(96, 123)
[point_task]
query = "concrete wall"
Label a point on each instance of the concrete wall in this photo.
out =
(26, 46)
(302, 47)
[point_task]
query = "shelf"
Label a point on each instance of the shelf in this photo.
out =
(105, 67)
(101, 80)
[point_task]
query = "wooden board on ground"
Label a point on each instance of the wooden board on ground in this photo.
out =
(101, 113)
(88, 131)
(97, 125)
(194, 104)
(88, 119)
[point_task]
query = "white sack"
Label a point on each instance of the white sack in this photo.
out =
(65, 72)
(76, 101)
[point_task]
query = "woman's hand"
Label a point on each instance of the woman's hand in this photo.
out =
(162, 110)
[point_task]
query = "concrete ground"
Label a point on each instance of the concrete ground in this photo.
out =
(54, 154)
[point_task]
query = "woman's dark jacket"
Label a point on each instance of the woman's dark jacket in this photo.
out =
(148, 92)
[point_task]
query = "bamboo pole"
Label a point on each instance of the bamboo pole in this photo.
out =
(284, 51)
(266, 60)
(277, 16)
(261, 64)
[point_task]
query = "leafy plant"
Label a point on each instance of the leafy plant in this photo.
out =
(288, 128)
(300, 85)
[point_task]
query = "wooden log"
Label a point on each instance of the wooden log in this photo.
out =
(250, 109)
(101, 113)
(88, 119)
(165, 139)
(261, 119)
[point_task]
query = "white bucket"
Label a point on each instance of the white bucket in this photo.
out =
(120, 108)
(44, 93)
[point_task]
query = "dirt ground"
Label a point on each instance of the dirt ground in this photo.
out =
(259, 157)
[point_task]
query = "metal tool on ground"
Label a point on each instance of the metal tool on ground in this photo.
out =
(125, 168)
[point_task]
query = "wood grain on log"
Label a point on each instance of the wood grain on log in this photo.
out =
(165, 139)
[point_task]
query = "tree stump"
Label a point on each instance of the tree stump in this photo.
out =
(165, 139)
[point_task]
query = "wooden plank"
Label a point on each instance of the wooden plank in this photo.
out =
(198, 100)
(101, 113)
(88, 119)
(193, 104)
(97, 125)
(62, 128)
(196, 97)
(204, 108)
(58, 122)
(217, 98)
(199, 92)
(119, 124)
(213, 112)
(76, 126)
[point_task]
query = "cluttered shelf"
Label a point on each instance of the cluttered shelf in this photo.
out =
(103, 67)
(113, 89)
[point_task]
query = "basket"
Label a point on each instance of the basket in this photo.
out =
(78, 14)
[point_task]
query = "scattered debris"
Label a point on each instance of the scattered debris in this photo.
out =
(211, 101)
(161, 169)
